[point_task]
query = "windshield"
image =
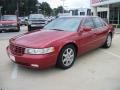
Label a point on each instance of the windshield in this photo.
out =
(65, 24)
(34, 16)
(9, 17)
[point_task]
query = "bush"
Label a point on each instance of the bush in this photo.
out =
(118, 26)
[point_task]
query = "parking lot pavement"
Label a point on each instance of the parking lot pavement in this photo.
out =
(117, 30)
(7, 35)
(96, 70)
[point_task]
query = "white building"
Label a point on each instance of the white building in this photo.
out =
(80, 12)
(109, 9)
(77, 12)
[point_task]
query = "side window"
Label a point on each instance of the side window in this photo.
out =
(98, 23)
(88, 22)
(103, 22)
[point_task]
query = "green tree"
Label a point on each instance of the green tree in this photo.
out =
(57, 10)
(25, 6)
(45, 8)
(60, 9)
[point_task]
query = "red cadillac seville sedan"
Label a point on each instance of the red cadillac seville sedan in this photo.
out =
(60, 42)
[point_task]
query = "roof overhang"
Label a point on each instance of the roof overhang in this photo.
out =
(103, 2)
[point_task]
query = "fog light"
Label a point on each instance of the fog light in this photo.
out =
(34, 65)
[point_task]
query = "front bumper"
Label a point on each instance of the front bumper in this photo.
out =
(8, 28)
(34, 61)
(37, 25)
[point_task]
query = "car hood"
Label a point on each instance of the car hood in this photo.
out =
(8, 22)
(40, 38)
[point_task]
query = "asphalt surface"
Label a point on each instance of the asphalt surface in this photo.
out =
(8, 35)
(117, 30)
(96, 70)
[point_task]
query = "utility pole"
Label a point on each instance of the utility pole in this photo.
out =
(17, 11)
(38, 5)
(0, 12)
(63, 4)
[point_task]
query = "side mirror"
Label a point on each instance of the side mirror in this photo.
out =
(84, 29)
(87, 29)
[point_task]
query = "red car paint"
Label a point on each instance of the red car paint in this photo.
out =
(85, 40)
(8, 22)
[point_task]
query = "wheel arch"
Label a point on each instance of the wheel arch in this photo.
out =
(70, 43)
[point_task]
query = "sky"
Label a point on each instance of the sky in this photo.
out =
(69, 4)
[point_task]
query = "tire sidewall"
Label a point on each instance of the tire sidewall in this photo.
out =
(29, 27)
(105, 45)
(107, 41)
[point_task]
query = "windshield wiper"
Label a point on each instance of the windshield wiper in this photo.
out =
(57, 29)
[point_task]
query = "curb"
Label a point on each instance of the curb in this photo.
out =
(117, 33)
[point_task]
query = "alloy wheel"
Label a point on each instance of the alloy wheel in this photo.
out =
(68, 56)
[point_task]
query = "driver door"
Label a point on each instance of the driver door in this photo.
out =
(87, 37)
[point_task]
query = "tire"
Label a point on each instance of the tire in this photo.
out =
(18, 30)
(29, 28)
(0, 31)
(64, 60)
(108, 41)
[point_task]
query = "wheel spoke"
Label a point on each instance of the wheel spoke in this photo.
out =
(64, 55)
(67, 51)
(68, 57)
(70, 52)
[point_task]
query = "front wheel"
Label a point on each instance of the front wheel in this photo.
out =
(108, 41)
(66, 57)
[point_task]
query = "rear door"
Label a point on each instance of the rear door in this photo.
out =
(101, 30)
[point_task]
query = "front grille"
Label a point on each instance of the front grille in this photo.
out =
(38, 23)
(38, 20)
(17, 50)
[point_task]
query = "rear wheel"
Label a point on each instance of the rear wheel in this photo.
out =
(108, 41)
(66, 57)
(1, 31)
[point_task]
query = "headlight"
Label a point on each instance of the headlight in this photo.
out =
(39, 51)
